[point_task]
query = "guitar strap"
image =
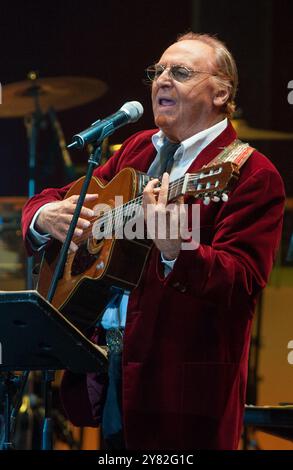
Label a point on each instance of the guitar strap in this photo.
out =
(237, 152)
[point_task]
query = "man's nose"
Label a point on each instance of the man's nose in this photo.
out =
(165, 77)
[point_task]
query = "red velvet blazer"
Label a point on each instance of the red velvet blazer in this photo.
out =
(187, 335)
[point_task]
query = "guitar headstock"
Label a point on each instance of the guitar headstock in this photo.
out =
(212, 181)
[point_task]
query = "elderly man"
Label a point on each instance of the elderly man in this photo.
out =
(186, 327)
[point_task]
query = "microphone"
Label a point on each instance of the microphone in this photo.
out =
(99, 130)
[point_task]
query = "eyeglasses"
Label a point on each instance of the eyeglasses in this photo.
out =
(180, 73)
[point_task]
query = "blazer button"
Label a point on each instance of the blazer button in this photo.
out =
(176, 285)
(179, 287)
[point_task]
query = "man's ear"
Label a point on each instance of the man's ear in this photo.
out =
(221, 97)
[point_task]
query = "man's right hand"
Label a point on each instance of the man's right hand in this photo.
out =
(55, 218)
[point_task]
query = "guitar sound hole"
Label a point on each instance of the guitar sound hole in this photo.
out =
(83, 260)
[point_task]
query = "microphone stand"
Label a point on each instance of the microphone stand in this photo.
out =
(93, 162)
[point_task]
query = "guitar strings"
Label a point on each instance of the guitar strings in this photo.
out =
(122, 211)
(118, 214)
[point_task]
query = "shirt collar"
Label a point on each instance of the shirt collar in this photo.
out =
(199, 140)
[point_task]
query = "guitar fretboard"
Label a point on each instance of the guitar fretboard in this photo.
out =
(116, 218)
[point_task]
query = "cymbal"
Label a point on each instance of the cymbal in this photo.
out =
(59, 93)
(244, 131)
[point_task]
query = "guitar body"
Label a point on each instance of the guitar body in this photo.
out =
(89, 275)
(101, 265)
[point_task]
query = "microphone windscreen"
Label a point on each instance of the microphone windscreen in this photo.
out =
(134, 109)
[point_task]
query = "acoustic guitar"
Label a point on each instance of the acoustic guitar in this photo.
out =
(103, 266)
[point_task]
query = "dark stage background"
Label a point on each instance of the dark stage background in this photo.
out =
(114, 41)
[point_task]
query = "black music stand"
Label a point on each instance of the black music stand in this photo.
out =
(36, 336)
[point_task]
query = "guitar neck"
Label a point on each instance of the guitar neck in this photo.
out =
(116, 218)
(209, 181)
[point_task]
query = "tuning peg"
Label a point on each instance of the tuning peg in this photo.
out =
(225, 197)
(216, 198)
(206, 200)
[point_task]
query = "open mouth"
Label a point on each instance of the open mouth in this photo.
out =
(166, 102)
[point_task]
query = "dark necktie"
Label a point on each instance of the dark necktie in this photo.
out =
(166, 160)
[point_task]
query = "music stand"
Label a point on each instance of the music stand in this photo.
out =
(36, 336)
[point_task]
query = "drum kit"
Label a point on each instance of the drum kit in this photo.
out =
(35, 99)
(35, 94)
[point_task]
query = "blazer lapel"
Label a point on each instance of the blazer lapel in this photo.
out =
(214, 148)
